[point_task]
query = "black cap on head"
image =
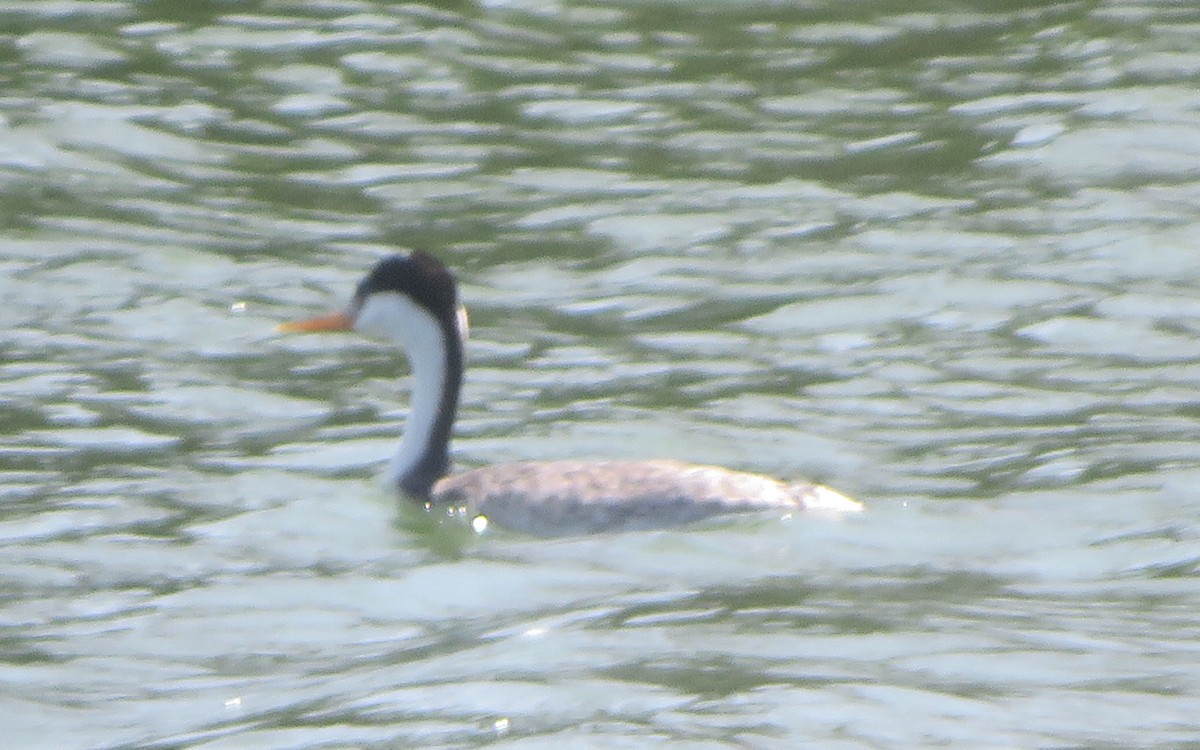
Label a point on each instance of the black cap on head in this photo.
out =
(417, 275)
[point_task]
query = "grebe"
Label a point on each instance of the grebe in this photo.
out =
(412, 300)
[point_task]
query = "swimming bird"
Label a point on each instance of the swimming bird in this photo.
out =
(412, 301)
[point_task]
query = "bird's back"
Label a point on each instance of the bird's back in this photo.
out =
(573, 497)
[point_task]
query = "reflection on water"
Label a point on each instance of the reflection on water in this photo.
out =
(943, 259)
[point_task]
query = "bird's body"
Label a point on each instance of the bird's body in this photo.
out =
(412, 300)
(590, 496)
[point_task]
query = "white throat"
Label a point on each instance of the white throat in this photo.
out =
(395, 317)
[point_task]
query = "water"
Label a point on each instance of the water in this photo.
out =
(942, 258)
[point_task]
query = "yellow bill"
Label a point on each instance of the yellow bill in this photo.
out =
(338, 321)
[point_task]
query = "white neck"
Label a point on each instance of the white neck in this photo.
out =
(416, 331)
(428, 372)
